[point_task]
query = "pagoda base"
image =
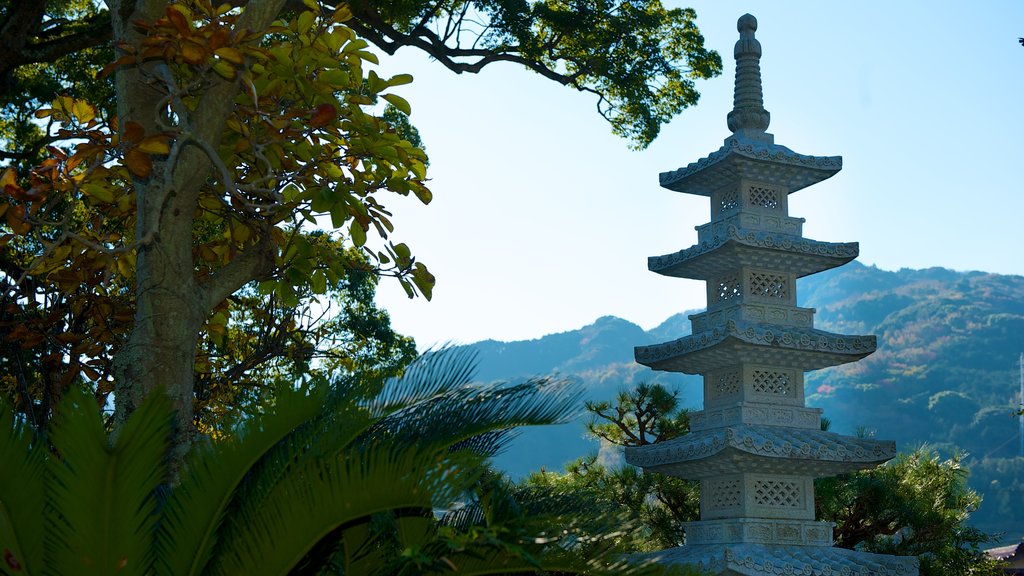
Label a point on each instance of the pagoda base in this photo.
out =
(769, 531)
(773, 560)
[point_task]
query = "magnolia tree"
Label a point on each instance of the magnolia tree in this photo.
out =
(168, 162)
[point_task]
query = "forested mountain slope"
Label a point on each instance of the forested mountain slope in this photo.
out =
(945, 371)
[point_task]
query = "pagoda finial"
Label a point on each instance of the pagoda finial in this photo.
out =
(748, 116)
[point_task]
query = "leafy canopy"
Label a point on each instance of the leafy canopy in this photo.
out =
(335, 478)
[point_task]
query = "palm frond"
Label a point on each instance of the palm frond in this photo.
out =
(434, 373)
(105, 495)
(313, 502)
(22, 493)
(195, 510)
(325, 436)
(459, 414)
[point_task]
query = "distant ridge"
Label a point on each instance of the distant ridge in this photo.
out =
(945, 371)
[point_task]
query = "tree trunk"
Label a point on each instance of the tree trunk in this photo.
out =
(171, 304)
(160, 351)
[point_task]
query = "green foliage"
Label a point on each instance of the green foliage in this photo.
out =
(655, 503)
(331, 479)
(640, 58)
(642, 415)
(917, 505)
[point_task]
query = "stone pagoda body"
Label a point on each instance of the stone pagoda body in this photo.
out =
(756, 448)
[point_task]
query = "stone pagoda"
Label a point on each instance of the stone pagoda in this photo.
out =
(756, 448)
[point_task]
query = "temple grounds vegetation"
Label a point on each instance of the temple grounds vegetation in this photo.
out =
(917, 505)
(193, 220)
(195, 379)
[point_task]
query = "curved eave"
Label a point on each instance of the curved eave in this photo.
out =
(759, 559)
(740, 247)
(760, 449)
(759, 161)
(738, 341)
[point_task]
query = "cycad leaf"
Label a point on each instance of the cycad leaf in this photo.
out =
(456, 416)
(22, 494)
(312, 502)
(102, 497)
(337, 422)
(434, 373)
(196, 509)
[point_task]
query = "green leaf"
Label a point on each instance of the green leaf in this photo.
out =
(318, 282)
(197, 507)
(423, 279)
(339, 214)
(22, 495)
(400, 79)
(358, 234)
(398, 102)
(105, 496)
(305, 22)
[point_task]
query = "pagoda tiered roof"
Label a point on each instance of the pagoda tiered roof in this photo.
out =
(759, 559)
(755, 248)
(751, 159)
(738, 341)
(760, 449)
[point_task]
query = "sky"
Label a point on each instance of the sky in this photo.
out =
(542, 219)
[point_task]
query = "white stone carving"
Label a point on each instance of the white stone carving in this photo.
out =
(757, 448)
(761, 559)
(759, 530)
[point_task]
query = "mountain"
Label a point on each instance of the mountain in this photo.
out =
(945, 372)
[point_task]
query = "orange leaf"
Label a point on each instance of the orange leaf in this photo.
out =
(122, 61)
(138, 162)
(218, 38)
(133, 132)
(323, 115)
(194, 53)
(175, 14)
(16, 220)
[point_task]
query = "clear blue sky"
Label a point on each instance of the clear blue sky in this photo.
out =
(542, 220)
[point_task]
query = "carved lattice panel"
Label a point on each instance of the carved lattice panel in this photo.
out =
(724, 493)
(763, 197)
(728, 383)
(779, 493)
(728, 288)
(729, 200)
(769, 285)
(772, 382)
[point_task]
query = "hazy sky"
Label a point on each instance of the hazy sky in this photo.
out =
(542, 220)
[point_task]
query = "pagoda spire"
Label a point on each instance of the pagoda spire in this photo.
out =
(748, 117)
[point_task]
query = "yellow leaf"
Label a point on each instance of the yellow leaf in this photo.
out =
(240, 233)
(124, 268)
(225, 69)
(230, 54)
(99, 192)
(9, 178)
(342, 14)
(83, 111)
(155, 144)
